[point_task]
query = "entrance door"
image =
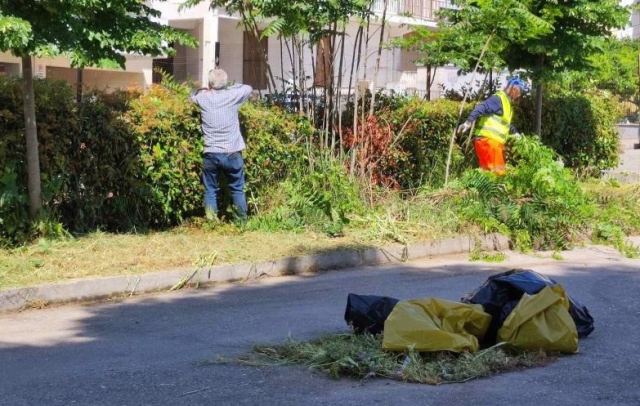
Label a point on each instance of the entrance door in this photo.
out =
(254, 67)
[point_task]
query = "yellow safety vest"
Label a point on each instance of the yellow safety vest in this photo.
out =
(496, 127)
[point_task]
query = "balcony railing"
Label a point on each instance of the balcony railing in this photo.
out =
(420, 9)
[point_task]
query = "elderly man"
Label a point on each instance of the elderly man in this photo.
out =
(493, 125)
(223, 143)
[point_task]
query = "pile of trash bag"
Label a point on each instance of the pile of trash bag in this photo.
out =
(520, 307)
(368, 313)
(435, 325)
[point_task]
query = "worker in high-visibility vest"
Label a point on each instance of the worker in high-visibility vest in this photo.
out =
(493, 125)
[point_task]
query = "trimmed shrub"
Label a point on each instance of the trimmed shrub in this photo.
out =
(105, 189)
(57, 121)
(167, 135)
(423, 130)
(276, 142)
(579, 127)
(127, 160)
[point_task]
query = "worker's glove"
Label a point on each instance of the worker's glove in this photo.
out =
(464, 127)
(516, 135)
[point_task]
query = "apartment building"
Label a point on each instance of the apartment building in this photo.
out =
(223, 42)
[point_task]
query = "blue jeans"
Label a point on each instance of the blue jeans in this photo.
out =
(232, 166)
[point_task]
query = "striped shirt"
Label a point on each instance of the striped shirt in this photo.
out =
(220, 123)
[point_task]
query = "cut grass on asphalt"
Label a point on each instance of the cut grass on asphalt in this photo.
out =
(483, 256)
(362, 356)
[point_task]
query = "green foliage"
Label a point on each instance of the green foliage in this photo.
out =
(14, 32)
(538, 202)
(473, 24)
(577, 27)
(578, 126)
(13, 209)
(276, 145)
(170, 149)
(481, 256)
(613, 66)
(84, 30)
(617, 214)
(103, 167)
(293, 17)
(59, 121)
(126, 160)
(321, 197)
(423, 130)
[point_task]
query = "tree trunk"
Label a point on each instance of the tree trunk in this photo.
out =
(539, 91)
(539, 95)
(338, 90)
(284, 88)
(79, 83)
(31, 135)
(357, 50)
(428, 89)
(379, 57)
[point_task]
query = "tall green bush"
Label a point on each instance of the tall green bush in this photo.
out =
(423, 130)
(538, 202)
(167, 136)
(105, 189)
(276, 143)
(579, 127)
(320, 196)
(57, 118)
(127, 160)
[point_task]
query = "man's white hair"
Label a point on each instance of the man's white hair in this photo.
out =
(218, 79)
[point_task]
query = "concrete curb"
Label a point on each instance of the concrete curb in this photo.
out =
(88, 289)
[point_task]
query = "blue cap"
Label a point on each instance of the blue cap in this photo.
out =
(516, 81)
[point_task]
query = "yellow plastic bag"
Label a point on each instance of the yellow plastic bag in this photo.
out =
(541, 321)
(435, 325)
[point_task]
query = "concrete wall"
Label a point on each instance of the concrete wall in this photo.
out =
(106, 80)
(137, 73)
(10, 68)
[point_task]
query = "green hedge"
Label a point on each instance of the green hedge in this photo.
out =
(424, 131)
(579, 127)
(127, 160)
(58, 121)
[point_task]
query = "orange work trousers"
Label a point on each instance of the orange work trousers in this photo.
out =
(490, 154)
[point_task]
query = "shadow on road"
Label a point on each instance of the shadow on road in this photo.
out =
(151, 350)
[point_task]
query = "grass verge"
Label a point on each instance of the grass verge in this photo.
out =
(361, 356)
(105, 254)
(425, 216)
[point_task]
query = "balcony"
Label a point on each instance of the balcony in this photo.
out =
(418, 9)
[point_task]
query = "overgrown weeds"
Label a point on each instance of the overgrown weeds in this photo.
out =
(361, 356)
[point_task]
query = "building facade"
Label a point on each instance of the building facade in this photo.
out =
(222, 42)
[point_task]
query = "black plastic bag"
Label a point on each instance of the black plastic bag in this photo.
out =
(502, 292)
(368, 313)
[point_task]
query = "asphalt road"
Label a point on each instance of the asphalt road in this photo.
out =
(153, 350)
